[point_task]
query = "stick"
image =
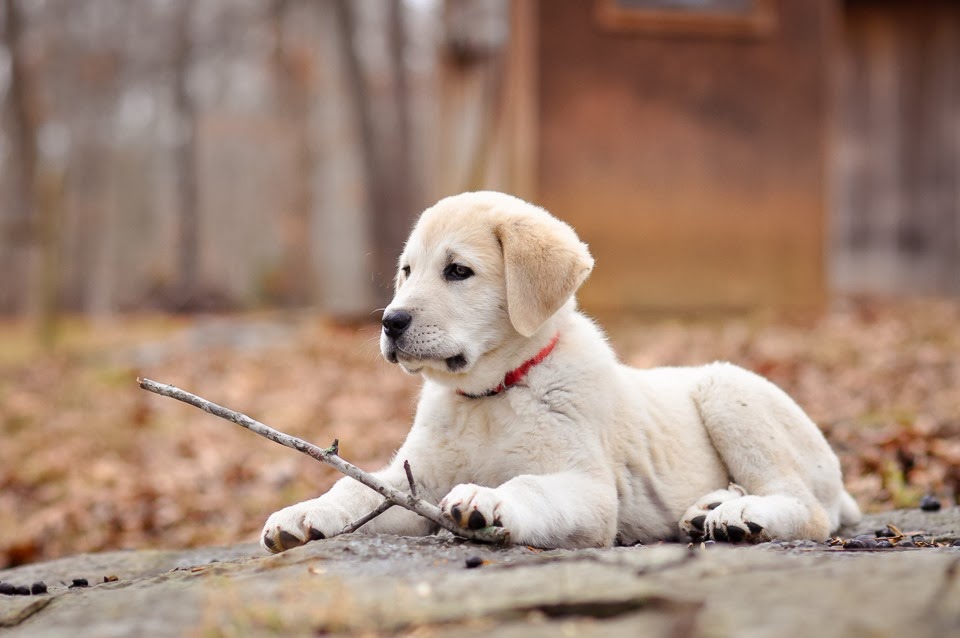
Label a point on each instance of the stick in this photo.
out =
(383, 507)
(366, 518)
(413, 484)
(496, 535)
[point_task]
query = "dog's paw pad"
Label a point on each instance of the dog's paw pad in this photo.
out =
(732, 522)
(267, 541)
(476, 520)
(472, 506)
(736, 534)
(693, 524)
(288, 540)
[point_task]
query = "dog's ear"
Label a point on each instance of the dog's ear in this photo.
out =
(544, 263)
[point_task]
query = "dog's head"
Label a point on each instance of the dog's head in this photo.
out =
(481, 274)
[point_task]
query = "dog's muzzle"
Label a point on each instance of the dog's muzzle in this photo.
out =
(395, 325)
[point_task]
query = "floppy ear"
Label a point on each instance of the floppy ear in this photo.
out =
(544, 263)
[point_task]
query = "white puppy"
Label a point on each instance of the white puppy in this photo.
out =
(527, 420)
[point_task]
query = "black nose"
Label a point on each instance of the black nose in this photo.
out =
(395, 323)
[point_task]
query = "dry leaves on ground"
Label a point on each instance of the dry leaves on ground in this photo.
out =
(89, 461)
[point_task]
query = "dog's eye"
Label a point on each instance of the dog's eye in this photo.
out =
(406, 271)
(457, 272)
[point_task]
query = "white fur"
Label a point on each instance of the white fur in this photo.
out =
(584, 451)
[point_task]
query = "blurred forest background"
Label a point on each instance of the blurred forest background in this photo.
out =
(213, 193)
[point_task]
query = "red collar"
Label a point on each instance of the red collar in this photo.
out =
(516, 375)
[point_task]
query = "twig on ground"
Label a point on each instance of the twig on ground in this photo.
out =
(496, 535)
(413, 484)
(366, 518)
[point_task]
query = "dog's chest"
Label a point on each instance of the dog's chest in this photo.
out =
(520, 432)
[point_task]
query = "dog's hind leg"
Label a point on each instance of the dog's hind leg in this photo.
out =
(788, 478)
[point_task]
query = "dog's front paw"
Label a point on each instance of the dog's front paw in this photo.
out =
(740, 520)
(472, 506)
(694, 521)
(301, 523)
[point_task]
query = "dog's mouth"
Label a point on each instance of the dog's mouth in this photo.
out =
(456, 362)
(415, 362)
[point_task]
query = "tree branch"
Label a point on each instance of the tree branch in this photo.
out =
(496, 535)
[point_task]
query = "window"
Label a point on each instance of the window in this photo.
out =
(688, 17)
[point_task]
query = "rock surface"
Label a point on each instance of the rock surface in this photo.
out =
(357, 584)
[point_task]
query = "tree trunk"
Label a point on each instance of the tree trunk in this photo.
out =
(188, 244)
(19, 236)
(386, 158)
(292, 72)
(401, 186)
(30, 242)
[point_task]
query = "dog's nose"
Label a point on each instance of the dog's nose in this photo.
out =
(395, 323)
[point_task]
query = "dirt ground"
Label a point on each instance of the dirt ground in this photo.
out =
(88, 461)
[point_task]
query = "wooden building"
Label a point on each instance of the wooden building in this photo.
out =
(733, 153)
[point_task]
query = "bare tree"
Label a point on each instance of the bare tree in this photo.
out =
(292, 73)
(386, 157)
(21, 131)
(31, 239)
(187, 289)
(472, 91)
(401, 184)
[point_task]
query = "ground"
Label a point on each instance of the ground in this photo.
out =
(89, 462)
(375, 585)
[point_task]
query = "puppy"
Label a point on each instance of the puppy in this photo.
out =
(527, 420)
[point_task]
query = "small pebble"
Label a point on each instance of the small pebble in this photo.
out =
(22, 590)
(906, 544)
(930, 503)
(854, 543)
(956, 543)
(474, 561)
(917, 538)
(886, 532)
(110, 579)
(38, 587)
(884, 544)
(79, 582)
(7, 589)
